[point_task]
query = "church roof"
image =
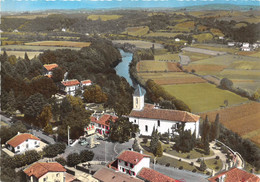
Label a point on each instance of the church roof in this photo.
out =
(149, 111)
(139, 91)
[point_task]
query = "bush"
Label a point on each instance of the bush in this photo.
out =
(216, 162)
(54, 149)
(188, 157)
(168, 164)
(181, 167)
(180, 160)
(217, 157)
(194, 170)
(208, 173)
(198, 160)
(191, 163)
(73, 159)
(86, 155)
(145, 140)
(217, 168)
(61, 160)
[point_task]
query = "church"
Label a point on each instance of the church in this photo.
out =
(148, 116)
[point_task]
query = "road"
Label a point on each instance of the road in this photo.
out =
(181, 175)
(105, 151)
(6, 120)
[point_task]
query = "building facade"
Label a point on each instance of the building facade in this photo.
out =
(70, 86)
(22, 142)
(48, 69)
(102, 124)
(149, 116)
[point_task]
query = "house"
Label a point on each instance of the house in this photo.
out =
(148, 116)
(15, 31)
(131, 162)
(90, 130)
(231, 44)
(22, 142)
(45, 172)
(109, 175)
(177, 40)
(63, 30)
(234, 175)
(102, 124)
(48, 69)
(151, 175)
(85, 83)
(245, 47)
(70, 86)
(221, 37)
(137, 165)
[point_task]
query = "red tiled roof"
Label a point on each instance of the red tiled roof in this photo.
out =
(236, 175)
(165, 114)
(103, 120)
(131, 156)
(86, 81)
(50, 67)
(151, 175)
(40, 168)
(109, 175)
(18, 139)
(70, 82)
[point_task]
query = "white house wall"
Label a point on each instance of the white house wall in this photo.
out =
(164, 125)
(145, 162)
(32, 144)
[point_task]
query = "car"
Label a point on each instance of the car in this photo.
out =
(83, 142)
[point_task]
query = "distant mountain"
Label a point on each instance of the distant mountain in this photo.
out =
(222, 7)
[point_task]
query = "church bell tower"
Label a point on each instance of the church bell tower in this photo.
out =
(138, 98)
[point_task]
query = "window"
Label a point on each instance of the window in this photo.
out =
(123, 169)
(27, 146)
(135, 121)
(44, 179)
(99, 125)
(27, 140)
(133, 173)
(146, 128)
(158, 122)
(18, 147)
(126, 164)
(35, 142)
(131, 165)
(136, 101)
(57, 175)
(107, 127)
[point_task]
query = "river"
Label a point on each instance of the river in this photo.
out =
(122, 69)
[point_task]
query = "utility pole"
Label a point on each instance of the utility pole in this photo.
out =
(68, 135)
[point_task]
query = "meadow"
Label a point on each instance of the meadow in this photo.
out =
(171, 78)
(186, 26)
(217, 47)
(162, 34)
(21, 53)
(201, 97)
(245, 123)
(59, 43)
(137, 31)
(167, 57)
(203, 37)
(103, 17)
(140, 44)
(195, 56)
(34, 48)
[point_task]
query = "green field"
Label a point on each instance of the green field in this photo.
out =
(168, 57)
(245, 65)
(203, 37)
(224, 60)
(162, 34)
(201, 97)
(34, 48)
(104, 17)
(240, 74)
(217, 47)
(137, 31)
(194, 56)
(152, 66)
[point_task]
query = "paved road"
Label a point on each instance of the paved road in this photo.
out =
(182, 175)
(105, 151)
(45, 138)
(6, 120)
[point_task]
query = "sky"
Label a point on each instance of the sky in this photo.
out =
(33, 5)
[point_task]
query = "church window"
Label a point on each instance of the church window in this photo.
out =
(146, 128)
(158, 122)
(136, 100)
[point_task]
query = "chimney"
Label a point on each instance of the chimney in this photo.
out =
(141, 152)
(18, 133)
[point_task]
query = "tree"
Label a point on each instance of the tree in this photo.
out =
(205, 129)
(61, 160)
(48, 128)
(135, 146)
(203, 165)
(206, 146)
(7, 133)
(159, 149)
(154, 141)
(73, 159)
(10, 105)
(86, 155)
(94, 94)
(26, 57)
(54, 149)
(225, 83)
(45, 117)
(34, 105)
(57, 74)
(217, 127)
(122, 130)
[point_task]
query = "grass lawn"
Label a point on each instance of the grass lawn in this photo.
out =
(195, 153)
(162, 34)
(201, 97)
(203, 37)
(211, 163)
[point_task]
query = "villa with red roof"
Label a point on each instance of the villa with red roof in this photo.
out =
(70, 86)
(148, 116)
(48, 69)
(42, 171)
(234, 175)
(136, 165)
(85, 83)
(102, 124)
(22, 142)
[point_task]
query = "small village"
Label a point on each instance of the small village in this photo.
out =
(133, 160)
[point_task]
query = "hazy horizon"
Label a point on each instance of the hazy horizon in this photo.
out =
(41, 5)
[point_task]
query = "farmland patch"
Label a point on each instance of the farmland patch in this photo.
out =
(59, 43)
